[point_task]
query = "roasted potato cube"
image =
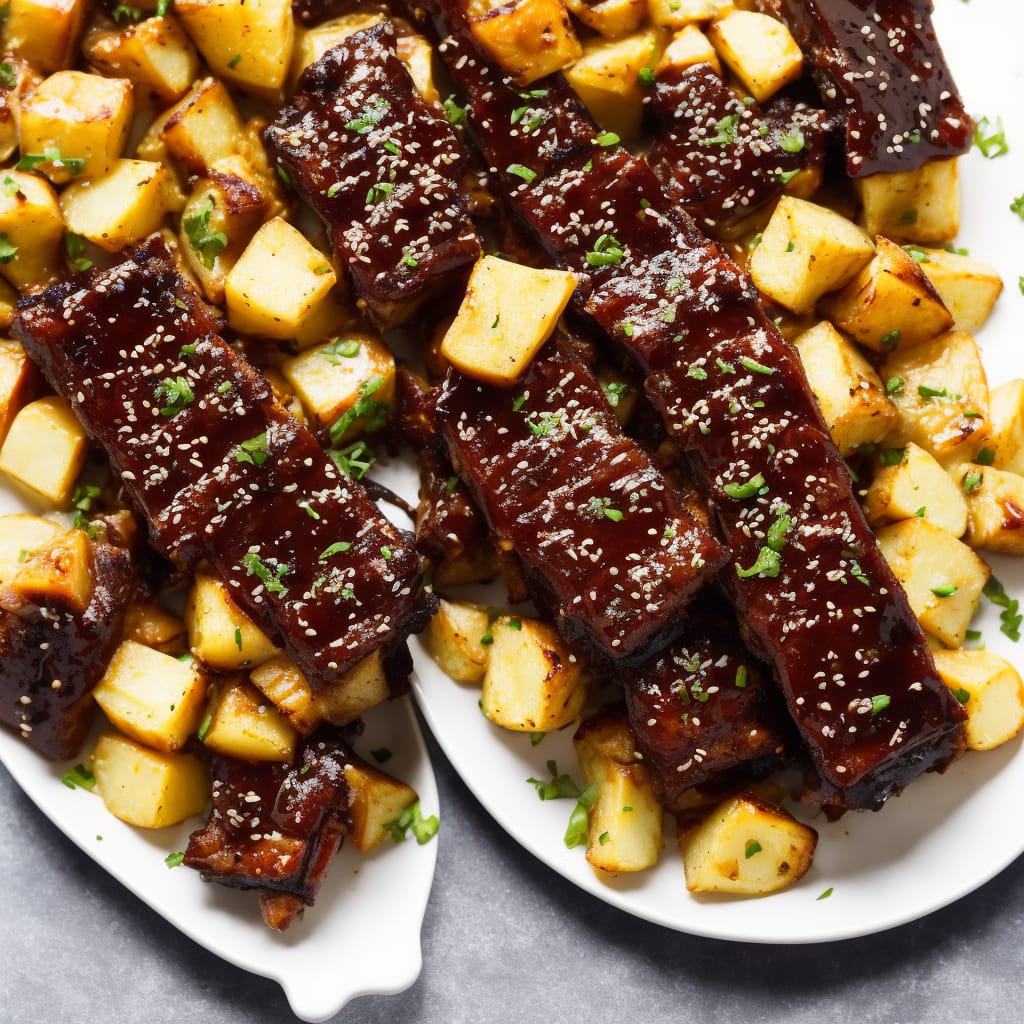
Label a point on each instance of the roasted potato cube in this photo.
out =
(454, 638)
(152, 697)
(17, 382)
(890, 302)
(249, 42)
(678, 13)
(805, 251)
(220, 634)
(60, 572)
(312, 43)
(533, 682)
(942, 576)
(124, 206)
(943, 399)
(198, 130)
(416, 53)
(248, 145)
(968, 288)
(45, 449)
(850, 395)
(1006, 406)
(346, 385)
(612, 18)
(995, 508)
(277, 282)
(748, 847)
(508, 312)
(148, 788)
(606, 78)
(917, 486)
(283, 684)
(377, 801)
(242, 723)
(912, 206)
(154, 54)
(149, 623)
(8, 300)
(687, 47)
(625, 821)
(990, 689)
(76, 124)
(527, 39)
(758, 50)
(21, 534)
(31, 230)
(45, 32)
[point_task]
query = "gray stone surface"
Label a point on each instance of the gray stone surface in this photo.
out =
(505, 940)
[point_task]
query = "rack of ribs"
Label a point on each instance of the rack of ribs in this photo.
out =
(306, 553)
(813, 593)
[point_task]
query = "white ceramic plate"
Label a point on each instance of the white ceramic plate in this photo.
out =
(363, 935)
(947, 834)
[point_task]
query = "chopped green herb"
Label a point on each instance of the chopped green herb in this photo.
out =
(557, 787)
(985, 457)
(918, 255)
(891, 456)
(224, 387)
(971, 482)
(945, 590)
(766, 564)
(613, 392)
(340, 348)
(825, 895)
(697, 372)
(334, 189)
(487, 639)
(786, 176)
(880, 702)
(890, 341)
(73, 164)
(78, 777)
(514, 624)
(175, 391)
(376, 413)
(607, 139)
(254, 451)
(196, 225)
(334, 549)
(1010, 616)
(755, 367)
(576, 830)
(741, 677)
(8, 79)
(894, 386)
(162, 7)
(411, 819)
(235, 61)
(74, 245)
(392, 147)
(724, 366)
(908, 217)
(364, 123)
(283, 174)
(990, 138)
(379, 192)
(238, 637)
(747, 489)
(1017, 206)
(603, 838)
(645, 76)
(174, 860)
(725, 131)
(204, 727)
(454, 113)
(7, 249)
(794, 142)
(122, 12)
(607, 251)
(961, 694)
(753, 847)
(270, 578)
(928, 393)
(356, 459)
(409, 260)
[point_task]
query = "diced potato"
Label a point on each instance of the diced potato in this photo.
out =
(968, 288)
(221, 216)
(59, 572)
(612, 18)
(312, 43)
(220, 634)
(625, 821)
(890, 302)
(249, 42)
(759, 50)
(995, 508)
(454, 637)
(149, 623)
(991, 690)
(124, 206)
(198, 130)
(364, 686)
(241, 723)
(850, 395)
(45, 32)
(155, 54)
(688, 46)
(334, 378)
(21, 534)
(679, 13)
(377, 800)
(32, 225)
(152, 697)
(942, 576)
(277, 282)
(912, 206)
(148, 788)
(748, 847)
(527, 39)
(18, 379)
(45, 449)
(943, 399)
(606, 77)
(508, 312)
(917, 486)
(533, 682)
(805, 251)
(8, 300)
(1006, 406)
(248, 145)
(82, 119)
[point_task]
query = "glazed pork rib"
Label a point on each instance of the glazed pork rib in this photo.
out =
(220, 471)
(813, 593)
(879, 67)
(383, 172)
(606, 546)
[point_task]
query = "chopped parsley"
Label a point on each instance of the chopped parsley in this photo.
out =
(793, 142)
(1017, 206)
(254, 451)
(272, 579)
(890, 341)
(747, 489)
(7, 249)
(880, 702)
(613, 392)
(825, 895)
(79, 777)
(985, 457)
(521, 171)
(990, 138)
(379, 192)
(364, 123)
(411, 819)
(335, 549)
(768, 562)
(961, 694)
(122, 12)
(945, 590)
(8, 79)
(454, 113)
(894, 386)
(176, 393)
(753, 847)
(971, 482)
(175, 860)
(1010, 616)
(645, 76)
(786, 176)
(340, 348)
(607, 251)
(206, 244)
(607, 139)
(366, 407)
(755, 367)
(725, 131)
(74, 245)
(356, 459)
(72, 164)
(235, 61)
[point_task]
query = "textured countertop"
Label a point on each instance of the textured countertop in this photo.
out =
(505, 939)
